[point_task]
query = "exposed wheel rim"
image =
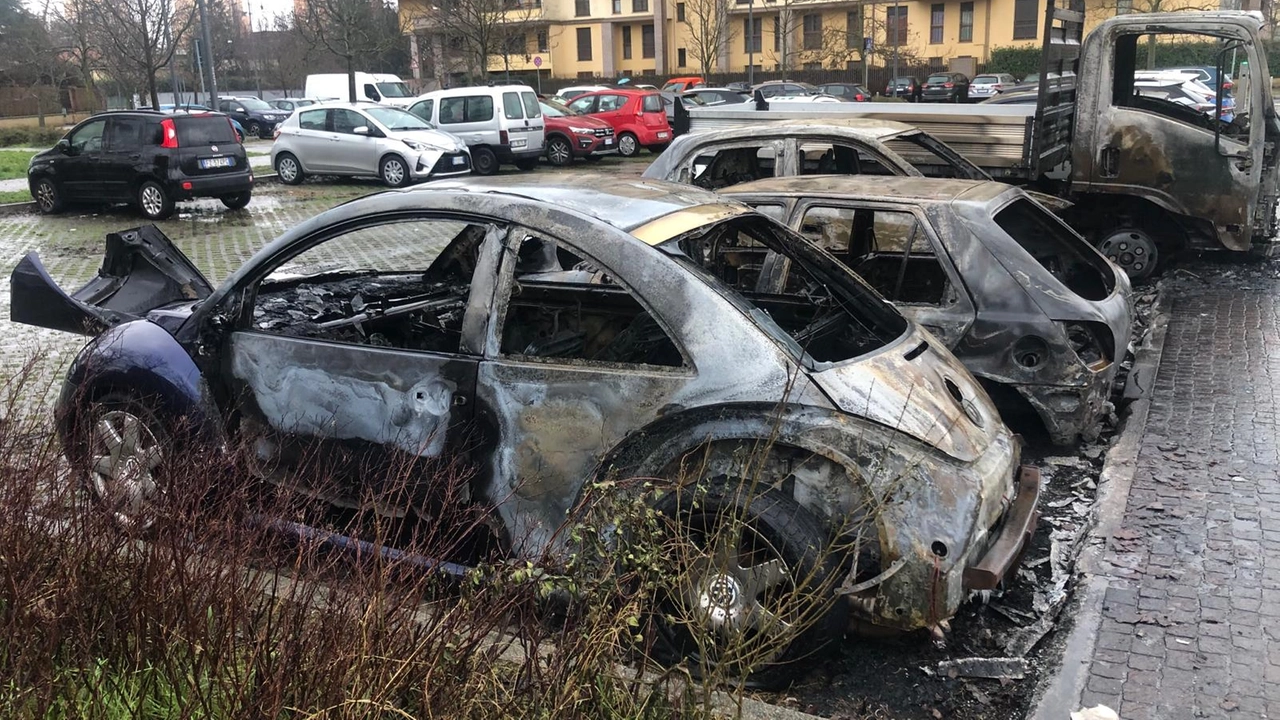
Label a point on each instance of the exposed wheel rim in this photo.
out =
(628, 145)
(287, 169)
(152, 200)
(558, 152)
(123, 460)
(46, 196)
(393, 172)
(1133, 250)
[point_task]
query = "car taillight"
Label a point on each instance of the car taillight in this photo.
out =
(169, 133)
(948, 84)
(502, 138)
(858, 97)
(1227, 85)
(1092, 342)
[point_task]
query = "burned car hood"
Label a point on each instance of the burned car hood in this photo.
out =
(141, 270)
(917, 387)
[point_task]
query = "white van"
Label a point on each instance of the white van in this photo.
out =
(500, 124)
(373, 87)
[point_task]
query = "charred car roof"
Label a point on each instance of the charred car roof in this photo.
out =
(912, 189)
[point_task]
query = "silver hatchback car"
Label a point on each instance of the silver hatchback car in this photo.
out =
(365, 139)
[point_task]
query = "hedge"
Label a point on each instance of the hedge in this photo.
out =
(30, 136)
(1020, 61)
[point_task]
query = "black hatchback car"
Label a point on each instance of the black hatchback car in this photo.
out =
(946, 87)
(147, 158)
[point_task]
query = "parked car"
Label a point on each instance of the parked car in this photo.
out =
(258, 118)
(990, 85)
(371, 87)
(573, 92)
(904, 86)
(147, 158)
(556, 334)
(502, 124)
(638, 117)
(365, 140)
(1015, 97)
(683, 84)
(1207, 74)
(291, 104)
(846, 91)
(723, 158)
(1029, 306)
(946, 87)
(1185, 91)
(571, 134)
(718, 96)
(784, 88)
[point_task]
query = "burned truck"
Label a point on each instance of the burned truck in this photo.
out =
(1147, 176)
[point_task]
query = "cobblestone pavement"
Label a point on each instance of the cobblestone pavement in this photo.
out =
(1191, 619)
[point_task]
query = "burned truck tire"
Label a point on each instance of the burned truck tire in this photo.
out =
(749, 590)
(1132, 249)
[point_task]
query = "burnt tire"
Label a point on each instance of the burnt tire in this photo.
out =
(47, 196)
(483, 161)
(119, 447)
(154, 202)
(628, 145)
(750, 594)
(288, 169)
(560, 152)
(237, 201)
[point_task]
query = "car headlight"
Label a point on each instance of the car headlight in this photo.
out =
(419, 146)
(582, 130)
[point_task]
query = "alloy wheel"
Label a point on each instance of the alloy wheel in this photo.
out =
(124, 457)
(152, 201)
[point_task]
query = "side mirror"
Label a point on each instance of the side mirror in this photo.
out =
(362, 130)
(64, 146)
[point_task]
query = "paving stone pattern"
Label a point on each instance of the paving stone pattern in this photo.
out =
(1191, 621)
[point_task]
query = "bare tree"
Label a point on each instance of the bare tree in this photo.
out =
(140, 36)
(711, 30)
(843, 45)
(72, 25)
(286, 56)
(358, 32)
(1103, 9)
(481, 30)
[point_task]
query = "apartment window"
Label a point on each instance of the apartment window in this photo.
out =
(937, 12)
(752, 34)
(586, 75)
(514, 44)
(966, 22)
(682, 58)
(542, 41)
(895, 22)
(646, 41)
(1025, 15)
(853, 29)
(581, 8)
(626, 42)
(584, 44)
(679, 12)
(617, 7)
(813, 32)
(639, 5)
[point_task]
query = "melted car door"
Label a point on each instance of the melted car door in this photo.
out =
(574, 362)
(355, 364)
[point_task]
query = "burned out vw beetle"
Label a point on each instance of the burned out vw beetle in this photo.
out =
(1024, 302)
(558, 333)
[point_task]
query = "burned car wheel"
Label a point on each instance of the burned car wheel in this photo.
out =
(121, 448)
(1133, 250)
(749, 594)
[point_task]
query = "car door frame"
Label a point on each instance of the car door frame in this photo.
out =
(245, 349)
(782, 151)
(352, 153)
(120, 166)
(79, 173)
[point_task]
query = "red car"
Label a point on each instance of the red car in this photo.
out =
(571, 134)
(637, 116)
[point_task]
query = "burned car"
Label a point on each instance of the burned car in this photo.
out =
(1028, 306)
(827, 146)
(558, 334)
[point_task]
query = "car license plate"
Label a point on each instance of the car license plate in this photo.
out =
(518, 142)
(608, 141)
(459, 160)
(662, 136)
(216, 162)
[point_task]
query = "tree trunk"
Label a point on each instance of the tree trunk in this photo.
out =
(351, 78)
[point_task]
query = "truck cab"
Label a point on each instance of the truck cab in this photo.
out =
(1172, 176)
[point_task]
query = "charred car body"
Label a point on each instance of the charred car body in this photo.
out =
(554, 344)
(1023, 301)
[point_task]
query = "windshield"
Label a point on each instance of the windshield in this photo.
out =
(551, 108)
(393, 89)
(397, 119)
(808, 302)
(939, 79)
(255, 104)
(1066, 255)
(988, 79)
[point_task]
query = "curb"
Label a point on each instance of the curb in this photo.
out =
(18, 208)
(1062, 693)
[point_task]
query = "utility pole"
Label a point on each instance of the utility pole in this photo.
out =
(751, 43)
(897, 24)
(208, 48)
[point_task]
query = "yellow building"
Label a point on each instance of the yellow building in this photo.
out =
(566, 39)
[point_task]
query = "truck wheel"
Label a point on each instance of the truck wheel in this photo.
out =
(559, 152)
(483, 161)
(749, 591)
(1132, 249)
(154, 202)
(47, 197)
(628, 145)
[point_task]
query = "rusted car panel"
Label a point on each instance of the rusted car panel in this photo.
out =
(1129, 145)
(566, 331)
(1042, 313)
